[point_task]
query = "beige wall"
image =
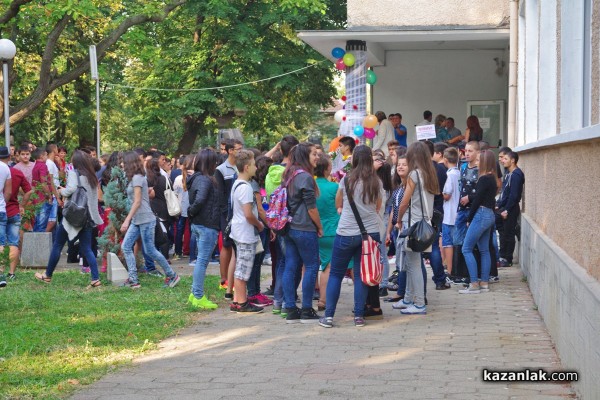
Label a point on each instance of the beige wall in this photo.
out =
(398, 13)
(562, 197)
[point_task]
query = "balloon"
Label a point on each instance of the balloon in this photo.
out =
(343, 98)
(335, 143)
(359, 130)
(338, 52)
(370, 121)
(349, 59)
(369, 133)
(357, 141)
(339, 64)
(371, 77)
(339, 115)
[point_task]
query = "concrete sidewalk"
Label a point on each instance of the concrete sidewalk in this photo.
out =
(436, 356)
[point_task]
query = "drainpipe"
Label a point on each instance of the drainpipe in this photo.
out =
(512, 74)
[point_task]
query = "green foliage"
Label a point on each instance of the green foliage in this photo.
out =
(202, 44)
(62, 335)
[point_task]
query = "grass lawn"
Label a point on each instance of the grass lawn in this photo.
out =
(56, 337)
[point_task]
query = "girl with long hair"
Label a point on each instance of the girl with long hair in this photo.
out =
(474, 131)
(421, 186)
(84, 169)
(204, 214)
(480, 223)
(368, 195)
(140, 222)
(180, 188)
(329, 219)
(301, 242)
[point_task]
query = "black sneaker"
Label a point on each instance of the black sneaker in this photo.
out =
(308, 316)
(372, 314)
(2, 280)
(11, 277)
(229, 296)
(248, 307)
(383, 292)
(269, 292)
(442, 286)
(293, 316)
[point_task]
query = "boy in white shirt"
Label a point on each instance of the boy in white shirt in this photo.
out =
(451, 195)
(245, 227)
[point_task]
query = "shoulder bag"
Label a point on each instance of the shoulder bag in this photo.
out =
(173, 205)
(420, 235)
(371, 268)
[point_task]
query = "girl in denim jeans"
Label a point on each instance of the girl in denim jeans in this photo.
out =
(480, 223)
(140, 222)
(367, 193)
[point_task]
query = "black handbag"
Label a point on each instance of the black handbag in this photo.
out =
(75, 211)
(420, 235)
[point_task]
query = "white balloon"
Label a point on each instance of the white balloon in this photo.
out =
(339, 115)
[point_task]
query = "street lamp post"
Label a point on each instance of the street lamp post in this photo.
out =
(7, 53)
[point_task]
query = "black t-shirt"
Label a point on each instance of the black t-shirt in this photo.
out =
(485, 194)
(438, 199)
(468, 181)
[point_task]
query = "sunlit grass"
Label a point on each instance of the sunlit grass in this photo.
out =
(57, 337)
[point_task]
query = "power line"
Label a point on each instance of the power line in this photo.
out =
(116, 85)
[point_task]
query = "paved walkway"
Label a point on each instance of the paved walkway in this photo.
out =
(437, 356)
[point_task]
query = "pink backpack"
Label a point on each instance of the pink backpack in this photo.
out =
(278, 215)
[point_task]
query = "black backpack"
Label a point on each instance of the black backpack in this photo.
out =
(76, 210)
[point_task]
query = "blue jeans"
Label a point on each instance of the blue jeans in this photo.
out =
(460, 227)
(478, 234)
(300, 248)
(346, 248)
(42, 216)
(435, 260)
(179, 235)
(254, 281)
(146, 232)
(207, 238)
(13, 228)
(194, 248)
(85, 248)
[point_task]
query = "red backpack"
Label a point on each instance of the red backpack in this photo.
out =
(278, 215)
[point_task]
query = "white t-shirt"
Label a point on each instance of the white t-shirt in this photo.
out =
(241, 230)
(4, 176)
(451, 187)
(53, 169)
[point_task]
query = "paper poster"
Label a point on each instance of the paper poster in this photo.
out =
(484, 123)
(425, 132)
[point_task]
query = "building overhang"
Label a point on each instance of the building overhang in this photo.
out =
(431, 38)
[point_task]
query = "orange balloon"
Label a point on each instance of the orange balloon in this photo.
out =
(335, 143)
(370, 121)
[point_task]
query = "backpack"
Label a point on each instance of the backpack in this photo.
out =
(76, 210)
(278, 215)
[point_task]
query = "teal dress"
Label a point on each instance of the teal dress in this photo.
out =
(329, 218)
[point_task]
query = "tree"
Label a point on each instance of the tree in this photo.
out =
(56, 45)
(218, 43)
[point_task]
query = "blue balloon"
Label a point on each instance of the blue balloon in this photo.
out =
(359, 130)
(338, 52)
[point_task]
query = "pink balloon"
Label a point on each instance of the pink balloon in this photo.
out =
(339, 64)
(369, 133)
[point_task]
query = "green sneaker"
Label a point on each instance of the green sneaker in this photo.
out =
(202, 303)
(276, 310)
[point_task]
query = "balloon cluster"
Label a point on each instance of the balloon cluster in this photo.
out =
(344, 60)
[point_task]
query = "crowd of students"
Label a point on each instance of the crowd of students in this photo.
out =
(223, 196)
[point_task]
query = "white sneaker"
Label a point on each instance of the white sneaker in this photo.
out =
(412, 309)
(484, 289)
(470, 290)
(267, 261)
(400, 305)
(350, 282)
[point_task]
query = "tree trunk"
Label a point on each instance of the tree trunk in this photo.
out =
(191, 129)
